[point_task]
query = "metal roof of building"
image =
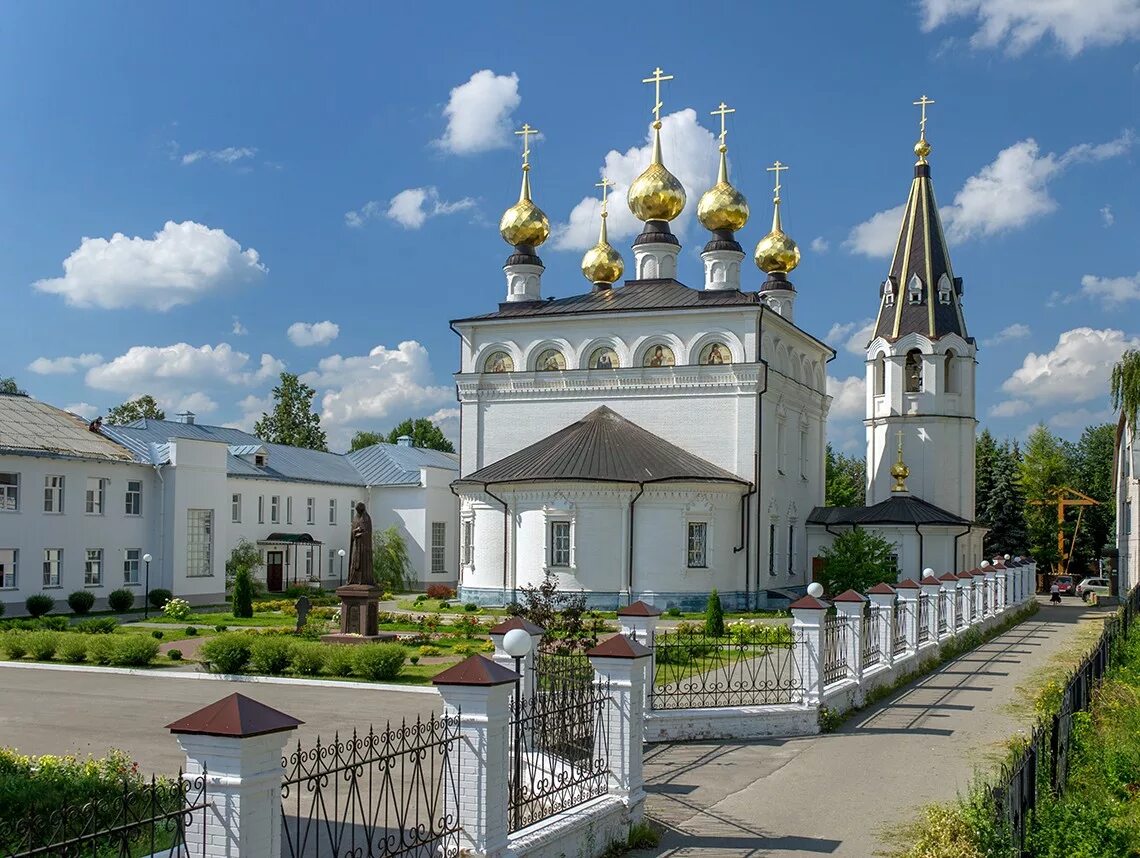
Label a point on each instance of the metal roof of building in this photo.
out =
(899, 509)
(604, 447)
(396, 465)
(32, 427)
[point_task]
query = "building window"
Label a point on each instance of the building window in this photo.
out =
(468, 541)
(559, 543)
(235, 508)
(697, 545)
(53, 561)
(259, 459)
(311, 511)
(261, 509)
(951, 382)
(439, 546)
(8, 568)
(944, 289)
(791, 548)
(1128, 517)
(93, 568)
(199, 543)
(289, 510)
(803, 454)
(274, 509)
(53, 494)
(9, 492)
(780, 447)
(309, 563)
(772, 550)
(888, 292)
(894, 558)
(131, 558)
(96, 487)
(880, 375)
(914, 290)
(134, 497)
(332, 510)
(914, 371)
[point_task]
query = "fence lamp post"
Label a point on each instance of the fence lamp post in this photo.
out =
(340, 554)
(815, 589)
(146, 588)
(517, 644)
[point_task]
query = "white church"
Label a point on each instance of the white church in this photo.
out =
(651, 440)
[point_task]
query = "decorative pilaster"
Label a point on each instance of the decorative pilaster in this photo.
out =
(807, 629)
(882, 598)
(850, 606)
(621, 664)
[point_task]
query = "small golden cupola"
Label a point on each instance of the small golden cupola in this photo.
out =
(899, 470)
(722, 207)
(524, 226)
(777, 255)
(602, 265)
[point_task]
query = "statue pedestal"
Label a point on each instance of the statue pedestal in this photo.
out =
(358, 616)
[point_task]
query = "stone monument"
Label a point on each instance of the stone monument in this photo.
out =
(359, 597)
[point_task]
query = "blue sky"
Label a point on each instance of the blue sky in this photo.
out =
(320, 190)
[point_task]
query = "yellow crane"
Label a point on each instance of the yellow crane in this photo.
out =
(1063, 497)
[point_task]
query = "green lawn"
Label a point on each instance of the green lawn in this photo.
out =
(170, 635)
(431, 606)
(226, 618)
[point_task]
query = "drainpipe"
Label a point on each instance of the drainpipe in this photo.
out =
(745, 520)
(633, 500)
(756, 458)
(161, 528)
(954, 559)
(506, 525)
(920, 557)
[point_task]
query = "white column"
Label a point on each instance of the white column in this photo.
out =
(849, 606)
(949, 583)
(620, 665)
(932, 589)
(807, 629)
(882, 598)
(908, 598)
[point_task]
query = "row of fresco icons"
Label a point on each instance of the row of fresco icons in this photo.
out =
(552, 360)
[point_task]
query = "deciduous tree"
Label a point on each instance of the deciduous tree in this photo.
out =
(423, 433)
(135, 409)
(1045, 467)
(1125, 386)
(8, 385)
(846, 479)
(391, 567)
(364, 439)
(857, 560)
(293, 421)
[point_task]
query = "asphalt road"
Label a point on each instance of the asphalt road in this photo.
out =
(58, 712)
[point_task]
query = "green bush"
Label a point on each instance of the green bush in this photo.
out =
(134, 651)
(271, 654)
(714, 616)
(471, 606)
(42, 645)
(72, 648)
(174, 654)
(158, 634)
(243, 593)
(338, 659)
(378, 661)
(227, 653)
(159, 596)
(220, 627)
(81, 601)
(15, 643)
(176, 609)
(428, 651)
(101, 649)
(120, 600)
(308, 658)
(39, 604)
(191, 631)
(96, 626)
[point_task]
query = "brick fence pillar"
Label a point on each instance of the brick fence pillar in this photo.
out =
(807, 647)
(849, 606)
(620, 664)
(235, 746)
(882, 598)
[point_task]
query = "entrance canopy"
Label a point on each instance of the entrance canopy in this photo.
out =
(289, 539)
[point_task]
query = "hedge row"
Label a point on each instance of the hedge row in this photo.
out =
(74, 647)
(239, 652)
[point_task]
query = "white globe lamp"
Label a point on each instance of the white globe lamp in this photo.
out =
(815, 589)
(516, 642)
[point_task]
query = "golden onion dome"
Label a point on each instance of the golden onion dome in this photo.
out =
(524, 223)
(602, 265)
(656, 194)
(922, 149)
(722, 206)
(776, 253)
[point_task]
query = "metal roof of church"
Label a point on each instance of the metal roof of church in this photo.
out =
(393, 464)
(601, 447)
(31, 427)
(898, 509)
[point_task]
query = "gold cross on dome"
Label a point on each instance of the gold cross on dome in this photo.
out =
(526, 133)
(900, 432)
(723, 111)
(656, 81)
(921, 103)
(605, 184)
(777, 168)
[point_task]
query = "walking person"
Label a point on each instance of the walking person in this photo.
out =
(1055, 594)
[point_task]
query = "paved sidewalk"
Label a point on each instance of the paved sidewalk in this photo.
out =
(835, 794)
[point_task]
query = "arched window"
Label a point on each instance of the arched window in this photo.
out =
(880, 375)
(659, 355)
(889, 292)
(914, 290)
(715, 354)
(951, 380)
(914, 371)
(499, 362)
(603, 358)
(550, 360)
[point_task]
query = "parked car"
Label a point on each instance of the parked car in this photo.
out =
(1064, 584)
(1100, 586)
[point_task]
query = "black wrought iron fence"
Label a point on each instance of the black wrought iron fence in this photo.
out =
(923, 618)
(559, 751)
(390, 793)
(558, 666)
(161, 816)
(751, 665)
(1015, 796)
(872, 635)
(903, 613)
(834, 649)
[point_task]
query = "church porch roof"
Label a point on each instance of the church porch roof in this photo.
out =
(905, 510)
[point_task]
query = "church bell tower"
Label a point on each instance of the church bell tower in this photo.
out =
(921, 362)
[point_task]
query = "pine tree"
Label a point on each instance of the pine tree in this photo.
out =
(1005, 511)
(293, 421)
(986, 452)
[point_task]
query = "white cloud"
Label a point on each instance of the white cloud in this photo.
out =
(1004, 195)
(819, 244)
(1017, 25)
(1077, 369)
(688, 150)
(229, 155)
(239, 330)
(478, 113)
(178, 368)
(1009, 408)
(1107, 217)
(1113, 291)
(252, 407)
(84, 409)
(63, 365)
(313, 333)
(1079, 418)
(410, 208)
(1016, 331)
(848, 396)
(197, 402)
(855, 335)
(447, 419)
(183, 262)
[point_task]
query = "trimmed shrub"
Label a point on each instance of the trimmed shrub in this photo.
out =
(308, 658)
(271, 654)
(72, 648)
(428, 651)
(134, 651)
(101, 648)
(96, 626)
(227, 653)
(439, 591)
(158, 634)
(15, 643)
(243, 593)
(39, 604)
(120, 600)
(174, 654)
(176, 609)
(714, 616)
(42, 645)
(471, 606)
(338, 659)
(159, 596)
(220, 627)
(378, 661)
(81, 601)
(193, 632)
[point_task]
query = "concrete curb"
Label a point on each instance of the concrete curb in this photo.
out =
(221, 677)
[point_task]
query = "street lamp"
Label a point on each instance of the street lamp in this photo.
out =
(517, 644)
(815, 589)
(340, 554)
(146, 588)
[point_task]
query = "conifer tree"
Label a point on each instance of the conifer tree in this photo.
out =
(1005, 511)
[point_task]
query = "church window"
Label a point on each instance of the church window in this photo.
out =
(698, 544)
(438, 546)
(888, 293)
(803, 453)
(944, 288)
(772, 550)
(1127, 517)
(499, 362)
(780, 447)
(880, 375)
(659, 355)
(550, 360)
(468, 541)
(603, 358)
(914, 371)
(914, 290)
(951, 381)
(715, 354)
(559, 543)
(791, 548)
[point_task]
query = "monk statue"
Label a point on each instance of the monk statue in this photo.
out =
(360, 549)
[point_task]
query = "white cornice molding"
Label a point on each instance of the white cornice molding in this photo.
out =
(733, 378)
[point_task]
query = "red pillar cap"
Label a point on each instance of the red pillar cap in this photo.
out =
(517, 623)
(476, 670)
(619, 646)
(236, 716)
(849, 596)
(882, 589)
(639, 609)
